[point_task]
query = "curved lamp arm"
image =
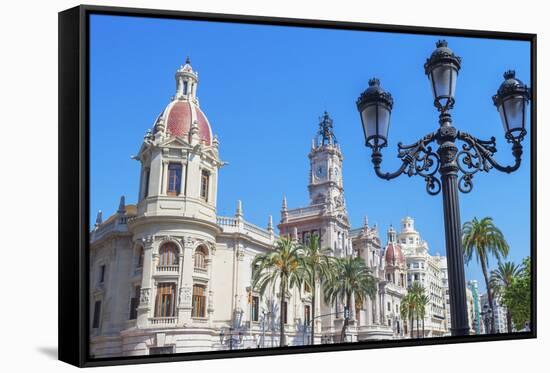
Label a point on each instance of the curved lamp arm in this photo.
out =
(377, 161)
(416, 159)
(483, 150)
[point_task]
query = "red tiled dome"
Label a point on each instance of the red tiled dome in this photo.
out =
(179, 116)
(394, 255)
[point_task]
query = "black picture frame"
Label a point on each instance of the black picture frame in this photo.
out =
(74, 184)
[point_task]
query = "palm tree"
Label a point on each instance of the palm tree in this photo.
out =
(283, 267)
(416, 290)
(407, 310)
(501, 279)
(317, 267)
(423, 302)
(484, 239)
(352, 279)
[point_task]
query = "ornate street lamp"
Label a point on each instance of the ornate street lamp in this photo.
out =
(442, 70)
(511, 100)
(456, 167)
(375, 106)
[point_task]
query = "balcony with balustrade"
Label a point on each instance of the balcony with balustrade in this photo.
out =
(237, 225)
(167, 269)
(162, 322)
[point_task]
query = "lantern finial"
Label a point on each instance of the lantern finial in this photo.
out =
(509, 74)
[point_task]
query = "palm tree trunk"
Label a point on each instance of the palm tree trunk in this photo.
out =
(281, 318)
(489, 293)
(312, 321)
(345, 326)
(417, 327)
(509, 320)
(411, 326)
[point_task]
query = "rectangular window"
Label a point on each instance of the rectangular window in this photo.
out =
(102, 273)
(97, 314)
(255, 308)
(285, 312)
(146, 186)
(199, 301)
(174, 178)
(205, 176)
(165, 300)
(307, 314)
(134, 303)
(389, 306)
(307, 236)
(185, 84)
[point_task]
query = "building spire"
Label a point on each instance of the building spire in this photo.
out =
(99, 218)
(391, 234)
(270, 224)
(122, 206)
(325, 134)
(186, 82)
(239, 212)
(284, 210)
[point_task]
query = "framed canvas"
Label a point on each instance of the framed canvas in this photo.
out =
(204, 216)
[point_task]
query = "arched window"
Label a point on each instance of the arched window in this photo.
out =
(205, 181)
(168, 255)
(200, 257)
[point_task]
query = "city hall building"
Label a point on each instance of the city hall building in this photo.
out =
(168, 275)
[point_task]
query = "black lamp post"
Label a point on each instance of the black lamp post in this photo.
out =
(456, 166)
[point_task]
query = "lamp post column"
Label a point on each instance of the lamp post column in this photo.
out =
(453, 237)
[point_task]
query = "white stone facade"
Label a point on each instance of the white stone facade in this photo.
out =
(426, 269)
(168, 275)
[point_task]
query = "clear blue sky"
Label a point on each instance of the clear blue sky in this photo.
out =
(263, 89)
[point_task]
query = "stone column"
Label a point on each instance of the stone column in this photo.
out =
(210, 300)
(146, 295)
(368, 312)
(164, 180)
(377, 308)
(186, 290)
(182, 181)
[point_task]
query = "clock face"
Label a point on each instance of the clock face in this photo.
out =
(320, 171)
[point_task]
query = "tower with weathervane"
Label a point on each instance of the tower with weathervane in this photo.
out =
(326, 186)
(325, 216)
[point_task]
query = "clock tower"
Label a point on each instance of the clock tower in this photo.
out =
(325, 181)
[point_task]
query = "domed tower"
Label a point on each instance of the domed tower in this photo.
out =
(175, 226)
(395, 261)
(179, 158)
(410, 240)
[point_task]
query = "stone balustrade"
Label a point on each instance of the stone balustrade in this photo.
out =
(162, 321)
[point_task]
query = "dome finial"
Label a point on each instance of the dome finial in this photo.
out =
(509, 74)
(188, 60)
(326, 133)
